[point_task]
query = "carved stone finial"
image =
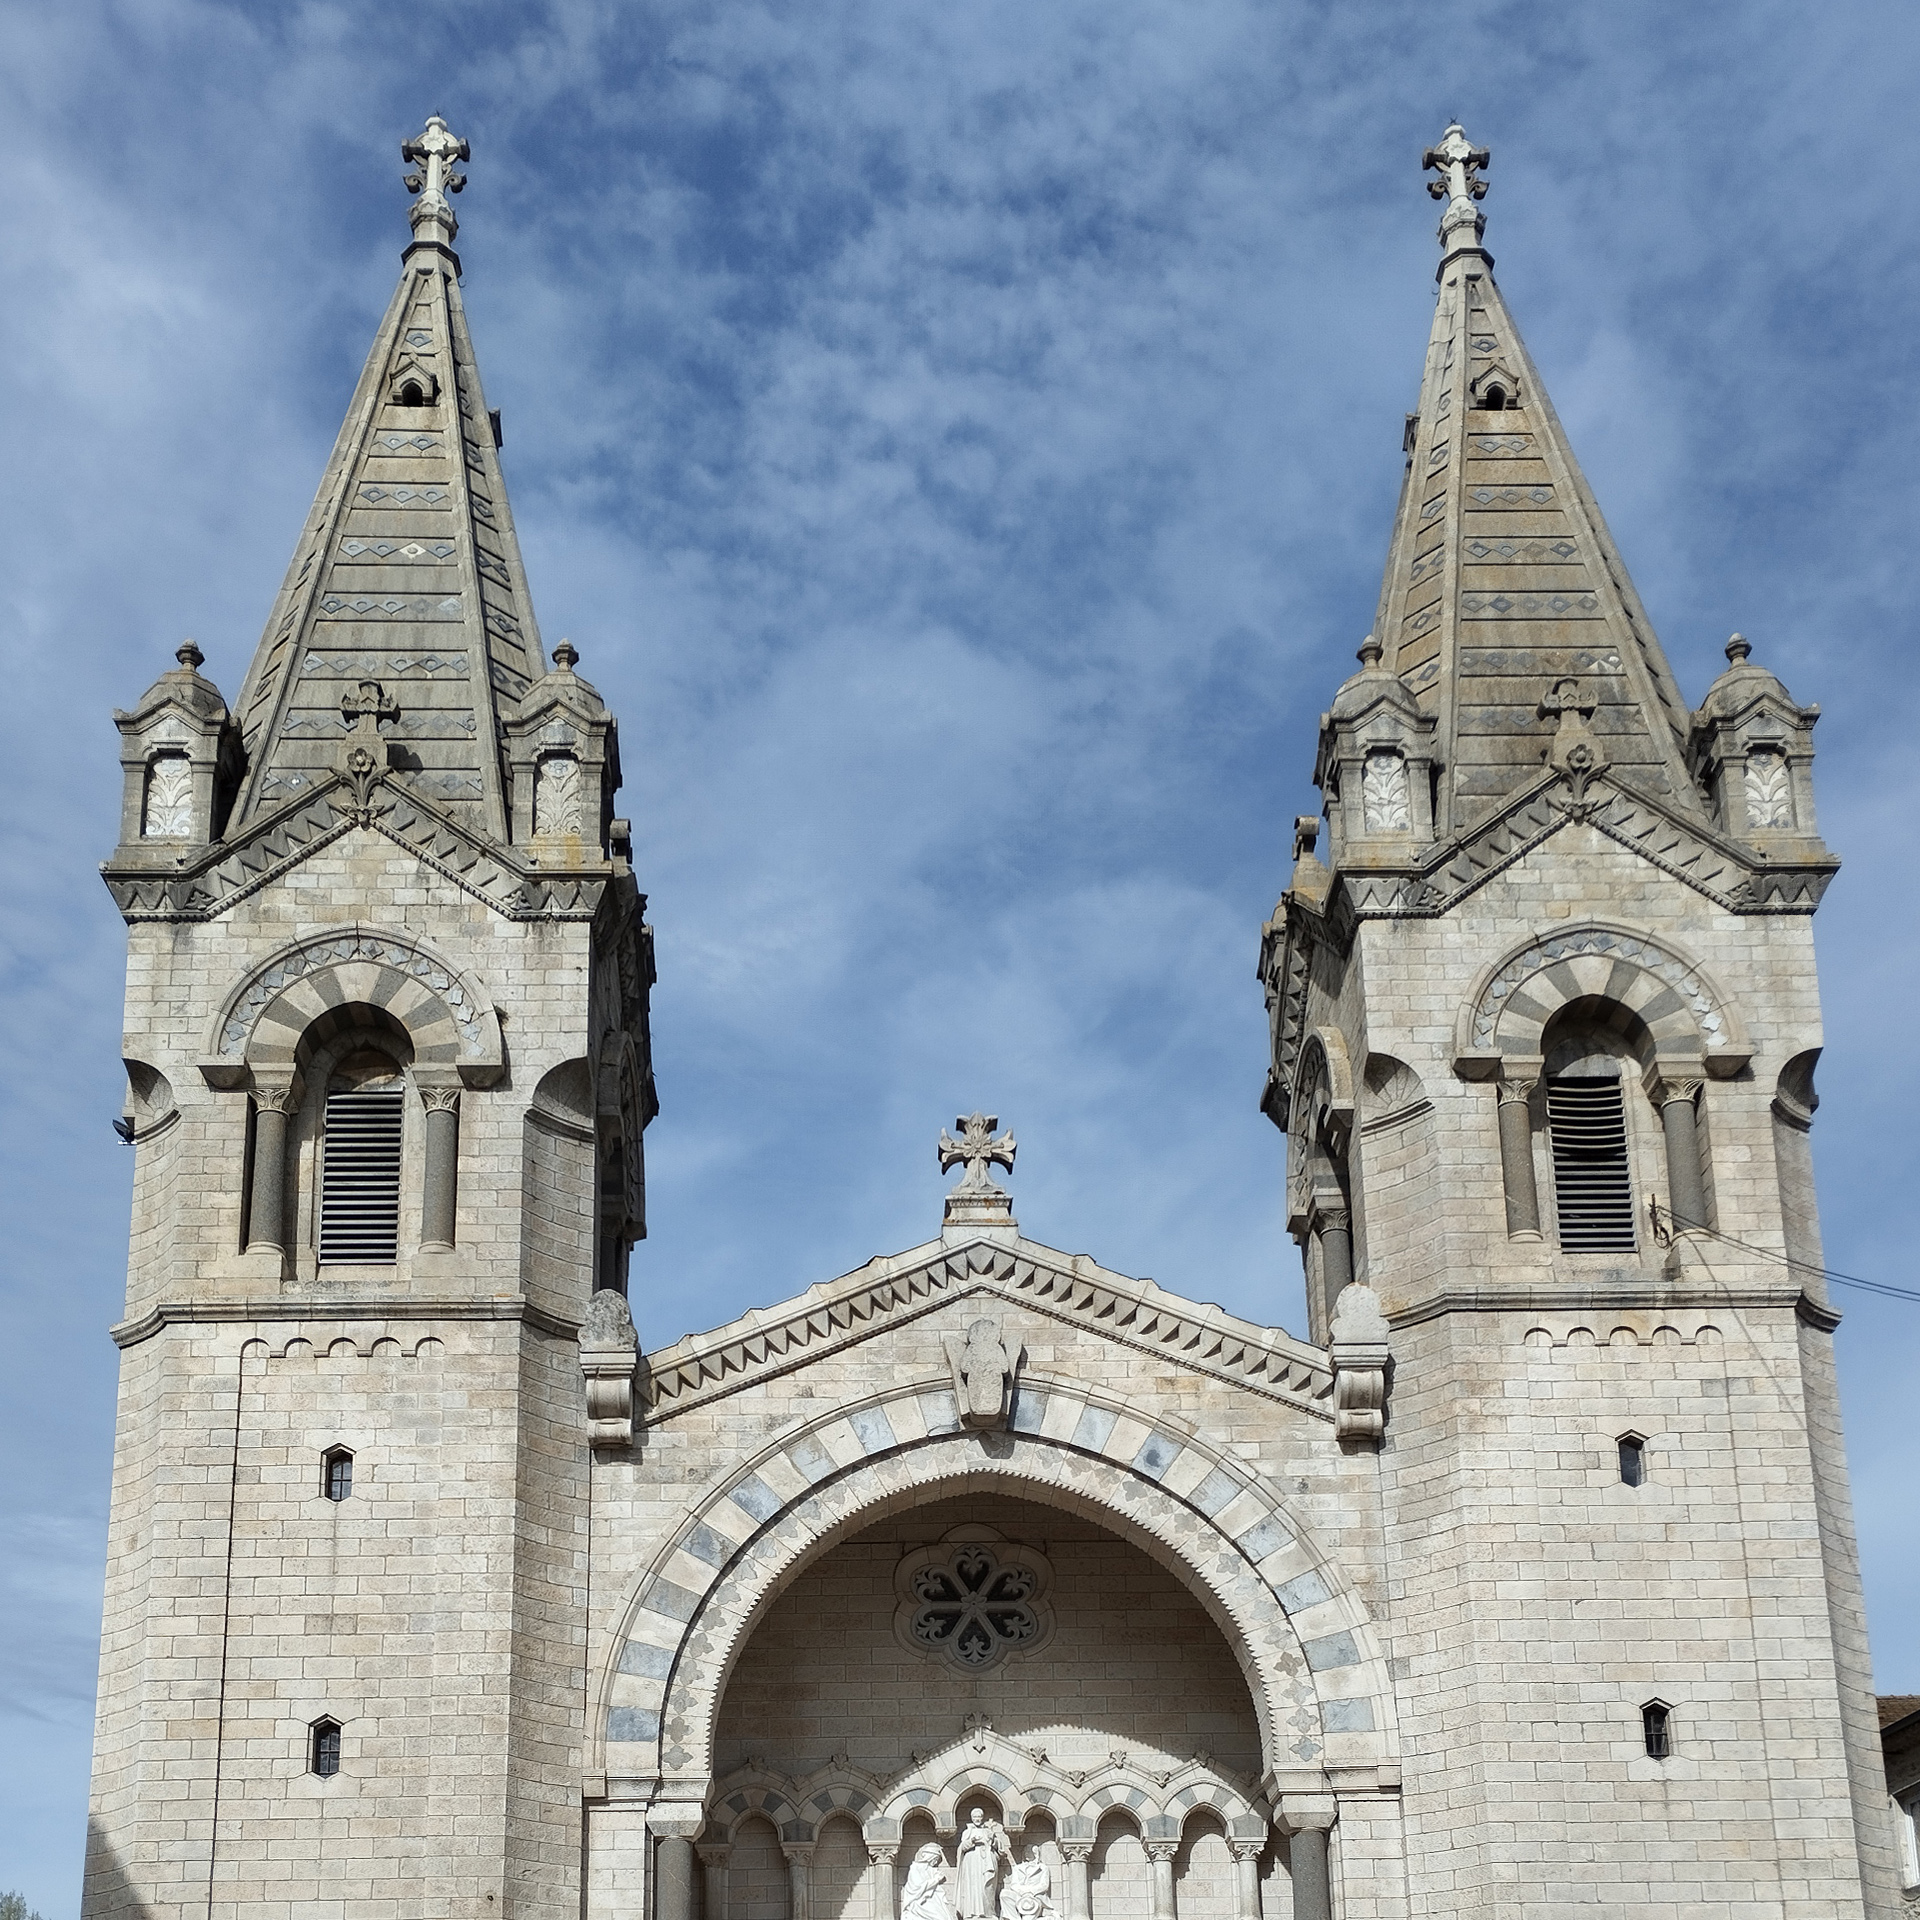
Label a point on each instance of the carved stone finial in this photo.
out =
(1369, 654)
(1574, 750)
(1738, 648)
(433, 154)
(362, 708)
(978, 1148)
(1458, 162)
(566, 656)
(189, 655)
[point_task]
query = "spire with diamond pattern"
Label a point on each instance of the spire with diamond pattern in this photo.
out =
(408, 574)
(1502, 580)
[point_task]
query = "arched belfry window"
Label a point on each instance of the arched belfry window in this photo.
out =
(360, 1161)
(1592, 1157)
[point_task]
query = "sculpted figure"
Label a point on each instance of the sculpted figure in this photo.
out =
(983, 1845)
(1028, 1893)
(925, 1897)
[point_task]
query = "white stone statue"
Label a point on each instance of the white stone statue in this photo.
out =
(925, 1897)
(983, 1845)
(1028, 1892)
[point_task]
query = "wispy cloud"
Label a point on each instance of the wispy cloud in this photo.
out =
(961, 441)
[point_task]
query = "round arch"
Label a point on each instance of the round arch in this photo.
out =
(447, 1015)
(1688, 1019)
(1301, 1638)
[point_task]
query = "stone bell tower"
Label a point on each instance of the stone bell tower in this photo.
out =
(387, 1044)
(1544, 1022)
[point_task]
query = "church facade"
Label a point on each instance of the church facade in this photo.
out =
(983, 1582)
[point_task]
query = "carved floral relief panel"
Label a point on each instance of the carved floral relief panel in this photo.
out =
(168, 813)
(1384, 798)
(1769, 791)
(556, 795)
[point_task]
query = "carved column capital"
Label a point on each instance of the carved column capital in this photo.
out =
(715, 1856)
(440, 1099)
(799, 1853)
(274, 1096)
(1162, 1849)
(1516, 1088)
(1246, 1849)
(1666, 1090)
(1076, 1849)
(882, 1856)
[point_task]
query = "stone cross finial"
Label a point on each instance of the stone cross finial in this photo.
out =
(1458, 162)
(979, 1148)
(433, 154)
(365, 760)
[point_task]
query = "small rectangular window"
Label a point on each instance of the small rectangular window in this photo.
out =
(336, 1473)
(324, 1757)
(1656, 1722)
(1591, 1181)
(1633, 1459)
(360, 1177)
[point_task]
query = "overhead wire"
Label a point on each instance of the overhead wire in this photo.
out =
(1664, 1227)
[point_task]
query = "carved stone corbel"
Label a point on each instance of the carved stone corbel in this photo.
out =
(982, 1369)
(609, 1357)
(1360, 1355)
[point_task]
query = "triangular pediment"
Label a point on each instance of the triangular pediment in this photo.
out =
(891, 1291)
(1657, 832)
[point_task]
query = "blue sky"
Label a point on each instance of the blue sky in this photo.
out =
(961, 441)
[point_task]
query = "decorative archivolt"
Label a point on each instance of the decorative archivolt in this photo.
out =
(1687, 1018)
(1154, 1795)
(447, 1015)
(1301, 1638)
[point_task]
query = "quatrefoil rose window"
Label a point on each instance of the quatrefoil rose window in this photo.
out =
(973, 1598)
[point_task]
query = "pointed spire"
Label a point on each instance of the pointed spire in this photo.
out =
(1502, 581)
(408, 576)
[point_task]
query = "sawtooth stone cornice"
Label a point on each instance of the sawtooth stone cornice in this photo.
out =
(224, 874)
(1071, 1289)
(1722, 869)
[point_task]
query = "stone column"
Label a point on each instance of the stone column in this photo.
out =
(713, 1866)
(1160, 1853)
(886, 1895)
(1679, 1121)
(1335, 1230)
(799, 1859)
(1246, 1878)
(440, 1185)
(1309, 1819)
(266, 1218)
(1076, 1853)
(673, 1871)
(1516, 1160)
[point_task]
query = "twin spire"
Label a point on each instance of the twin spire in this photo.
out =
(1508, 640)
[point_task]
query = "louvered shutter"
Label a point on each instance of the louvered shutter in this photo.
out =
(1590, 1174)
(360, 1177)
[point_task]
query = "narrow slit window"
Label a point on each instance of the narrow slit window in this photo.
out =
(1591, 1181)
(360, 1178)
(1656, 1722)
(323, 1753)
(336, 1473)
(1633, 1459)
